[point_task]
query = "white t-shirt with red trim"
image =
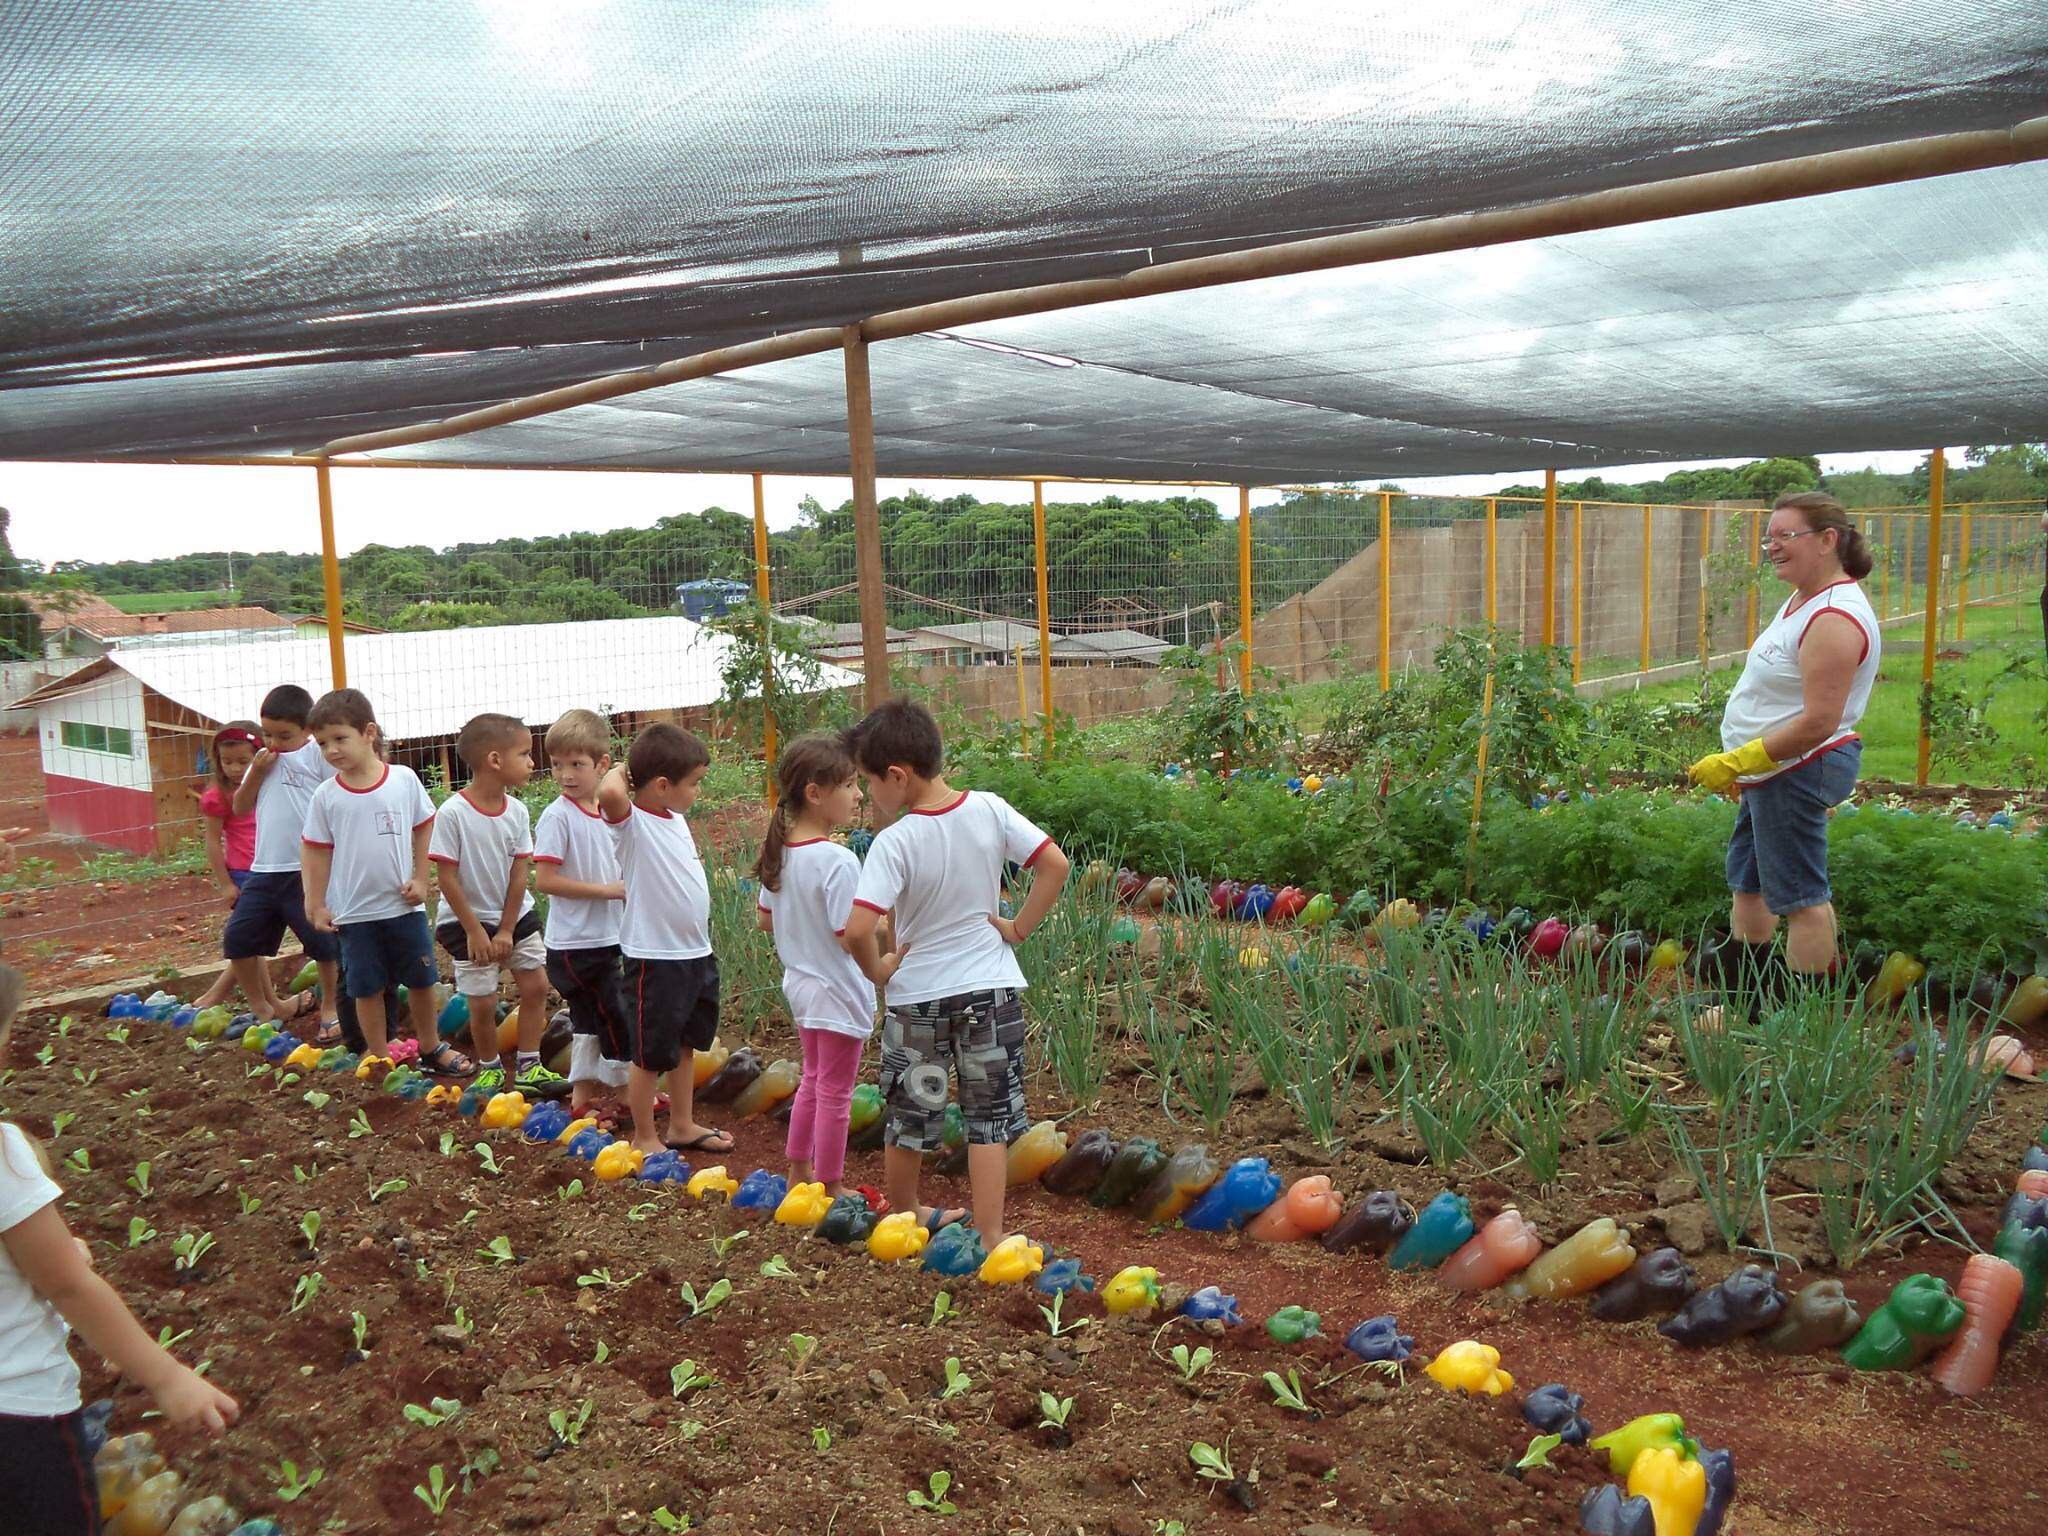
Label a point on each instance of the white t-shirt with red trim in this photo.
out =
(824, 984)
(941, 872)
(668, 900)
(281, 801)
(37, 1376)
(576, 842)
(370, 832)
(1771, 693)
(480, 845)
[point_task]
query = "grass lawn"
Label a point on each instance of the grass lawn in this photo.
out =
(170, 602)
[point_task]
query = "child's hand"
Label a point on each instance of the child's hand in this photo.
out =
(261, 763)
(190, 1401)
(1007, 927)
(478, 943)
(616, 891)
(891, 964)
(414, 891)
(322, 919)
(501, 945)
(231, 891)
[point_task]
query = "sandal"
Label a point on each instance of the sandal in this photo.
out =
(446, 1061)
(300, 1004)
(329, 1034)
(945, 1216)
(702, 1142)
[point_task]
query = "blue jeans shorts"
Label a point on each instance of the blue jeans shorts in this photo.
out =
(1780, 846)
(387, 952)
(269, 904)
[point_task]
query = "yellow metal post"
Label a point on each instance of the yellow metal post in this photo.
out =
(1578, 581)
(330, 576)
(761, 595)
(1884, 574)
(1706, 585)
(1044, 611)
(1023, 704)
(1386, 590)
(867, 518)
(1244, 585)
(1486, 696)
(1906, 571)
(1550, 557)
(1644, 639)
(1937, 478)
(1755, 553)
(1962, 575)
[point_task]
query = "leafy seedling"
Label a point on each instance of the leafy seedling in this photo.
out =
(309, 1225)
(61, 1121)
(604, 1353)
(777, 1268)
(1213, 1464)
(721, 1246)
(437, 1491)
(139, 1179)
(602, 1279)
(64, 1027)
(359, 1330)
(465, 1322)
(667, 1519)
(712, 1299)
(489, 1160)
(168, 1340)
(479, 1466)
(119, 1036)
(821, 1439)
(79, 1158)
(318, 1098)
(1053, 1411)
(568, 1427)
(1191, 1363)
(291, 1487)
(943, 1308)
(249, 1203)
(642, 1211)
(499, 1250)
(570, 1191)
(388, 1187)
(1288, 1393)
(935, 1502)
(359, 1126)
(957, 1380)
(801, 1347)
(190, 1249)
(684, 1377)
(303, 1175)
(306, 1290)
(1538, 1454)
(1051, 1315)
(436, 1413)
(139, 1231)
(447, 1143)
(46, 1055)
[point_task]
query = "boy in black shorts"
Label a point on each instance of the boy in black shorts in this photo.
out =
(670, 977)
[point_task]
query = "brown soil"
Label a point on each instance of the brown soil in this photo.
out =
(1819, 1448)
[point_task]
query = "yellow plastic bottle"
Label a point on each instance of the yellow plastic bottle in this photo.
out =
(1590, 1257)
(898, 1236)
(505, 1112)
(776, 1083)
(704, 1064)
(712, 1183)
(123, 1464)
(1471, 1367)
(210, 1516)
(1015, 1258)
(804, 1206)
(618, 1161)
(150, 1507)
(1034, 1152)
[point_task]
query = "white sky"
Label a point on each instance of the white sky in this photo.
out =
(147, 511)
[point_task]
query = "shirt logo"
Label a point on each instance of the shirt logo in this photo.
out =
(387, 824)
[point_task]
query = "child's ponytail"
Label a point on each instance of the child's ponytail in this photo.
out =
(818, 758)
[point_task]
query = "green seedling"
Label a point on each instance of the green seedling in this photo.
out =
(309, 1224)
(943, 1308)
(1053, 1411)
(777, 1268)
(1538, 1454)
(65, 1026)
(1212, 1463)
(604, 1353)
(318, 1098)
(570, 1191)
(291, 1487)
(1288, 1393)
(568, 1428)
(436, 1493)
(642, 1211)
(249, 1203)
(935, 1502)
(190, 1249)
(479, 1466)
(957, 1380)
(489, 1159)
(166, 1339)
(684, 1377)
(468, 1216)
(447, 1143)
(85, 1079)
(118, 1035)
(306, 1290)
(139, 1231)
(1051, 1315)
(499, 1250)
(47, 1055)
(359, 1330)
(602, 1278)
(711, 1300)
(139, 1179)
(721, 1246)
(436, 1413)
(668, 1520)
(1169, 1528)
(388, 1187)
(61, 1121)
(80, 1159)
(1191, 1363)
(821, 1439)
(465, 1322)
(359, 1126)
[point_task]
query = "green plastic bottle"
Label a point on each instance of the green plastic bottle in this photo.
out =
(1133, 1167)
(1176, 1186)
(2026, 1249)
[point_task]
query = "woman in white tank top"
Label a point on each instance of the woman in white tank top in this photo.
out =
(1788, 735)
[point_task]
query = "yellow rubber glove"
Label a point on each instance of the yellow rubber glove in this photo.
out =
(1718, 770)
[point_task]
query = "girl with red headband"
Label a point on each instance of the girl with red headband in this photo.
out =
(230, 839)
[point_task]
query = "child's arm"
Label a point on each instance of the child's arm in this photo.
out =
(252, 780)
(1049, 871)
(863, 943)
(315, 864)
(217, 857)
(614, 799)
(764, 919)
(457, 901)
(42, 1249)
(549, 880)
(508, 920)
(415, 889)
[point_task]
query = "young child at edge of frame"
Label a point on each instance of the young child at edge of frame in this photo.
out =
(952, 984)
(231, 842)
(807, 884)
(47, 1288)
(669, 973)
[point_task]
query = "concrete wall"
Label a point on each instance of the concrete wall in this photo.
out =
(1087, 693)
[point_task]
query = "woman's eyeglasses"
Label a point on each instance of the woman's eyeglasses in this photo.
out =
(1774, 540)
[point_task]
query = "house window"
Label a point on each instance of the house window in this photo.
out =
(98, 738)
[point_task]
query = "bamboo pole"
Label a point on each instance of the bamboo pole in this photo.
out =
(1706, 595)
(1644, 642)
(330, 576)
(1937, 478)
(1646, 202)
(867, 518)
(1749, 601)
(1244, 585)
(1578, 581)
(761, 593)
(1550, 557)
(1044, 611)
(1386, 590)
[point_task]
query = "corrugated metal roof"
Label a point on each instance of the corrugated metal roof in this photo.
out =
(429, 682)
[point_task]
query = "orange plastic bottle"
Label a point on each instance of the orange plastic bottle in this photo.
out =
(123, 1464)
(1990, 1291)
(1504, 1246)
(776, 1083)
(1309, 1208)
(1035, 1151)
(150, 1507)
(2033, 1184)
(704, 1064)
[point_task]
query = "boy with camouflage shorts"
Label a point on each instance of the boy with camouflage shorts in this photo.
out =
(951, 982)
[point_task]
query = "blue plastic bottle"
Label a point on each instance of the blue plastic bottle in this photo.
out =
(1441, 1229)
(760, 1190)
(544, 1122)
(182, 1017)
(1255, 903)
(954, 1250)
(454, 1015)
(279, 1046)
(124, 1005)
(1379, 1338)
(588, 1142)
(1061, 1275)
(1210, 1303)
(1247, 1187)
(665, 1167)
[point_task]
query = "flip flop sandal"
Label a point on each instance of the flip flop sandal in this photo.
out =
(328, 1035)
(445, 1061)
(701, 1142)
(302, 1003)
(945, 1216)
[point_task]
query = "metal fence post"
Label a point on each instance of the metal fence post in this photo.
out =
(1962, 574)
(1386, 590)
(1044, 614)
(1486, 697)
(1550, 557)
(867, 518)
(761, 595)
(1706, 586)
(1645, 639)
(1937, 477)
(1244, 585)
(1578, 585)
(330, 576)
(1884, 574)
(1749, 604)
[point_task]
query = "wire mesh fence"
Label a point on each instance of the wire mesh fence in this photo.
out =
(1105, 616)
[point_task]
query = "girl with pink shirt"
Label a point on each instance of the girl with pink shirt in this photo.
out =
(807, 886)
(231, 839)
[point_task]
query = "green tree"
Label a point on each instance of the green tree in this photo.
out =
(265, 587)
(12, 577)
(1768, 479)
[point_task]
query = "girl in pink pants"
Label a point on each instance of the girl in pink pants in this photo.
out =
(807, 884)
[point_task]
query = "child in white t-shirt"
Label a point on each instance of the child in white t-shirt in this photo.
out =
(952, 982)
(807, 885)
(482, 850)
(364, 858)
(577, 869)
(669, 974)
(47, 1288)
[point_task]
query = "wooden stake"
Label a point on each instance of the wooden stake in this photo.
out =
(330, 576)
(867, 518)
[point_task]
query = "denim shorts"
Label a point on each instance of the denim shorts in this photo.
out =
(269, 904)
(387, 952)
(1780, 846)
